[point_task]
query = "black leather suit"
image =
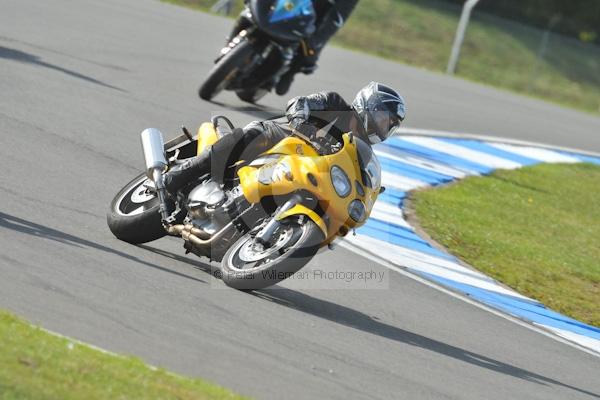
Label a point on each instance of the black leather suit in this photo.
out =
(306, 114)
(331, 16)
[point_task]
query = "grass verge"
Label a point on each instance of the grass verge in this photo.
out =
(536, 229)
(38, 365)
(496, 51)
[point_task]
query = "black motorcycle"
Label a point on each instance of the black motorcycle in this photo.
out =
(255, 60)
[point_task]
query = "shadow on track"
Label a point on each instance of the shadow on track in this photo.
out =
(204, 267)
(40, 231)
(21, 56)
(256, 111)
(64, 54)
(358, 320)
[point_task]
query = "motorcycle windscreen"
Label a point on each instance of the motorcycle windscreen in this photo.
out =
(370, 168)
(289, 20)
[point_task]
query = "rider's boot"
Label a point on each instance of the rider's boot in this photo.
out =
(305, 64)
(180, 175)
(214, 160)
(285, 82)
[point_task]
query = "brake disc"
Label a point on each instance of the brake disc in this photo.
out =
(252, 251)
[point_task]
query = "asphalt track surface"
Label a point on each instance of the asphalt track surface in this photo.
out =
(80, 79)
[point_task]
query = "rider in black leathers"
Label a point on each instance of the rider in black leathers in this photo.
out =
(331, 16)
(375, 114)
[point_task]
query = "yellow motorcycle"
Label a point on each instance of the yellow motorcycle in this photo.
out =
(270, 215)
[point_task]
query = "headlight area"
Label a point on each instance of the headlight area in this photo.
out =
(357, 210)
(340, 181)
(276, 171)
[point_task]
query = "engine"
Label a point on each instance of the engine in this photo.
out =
(210, 208)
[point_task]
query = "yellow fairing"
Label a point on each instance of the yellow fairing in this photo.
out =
(206, 136)
(301, 209)
(311, 172)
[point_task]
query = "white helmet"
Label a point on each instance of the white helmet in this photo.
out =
(381, 110)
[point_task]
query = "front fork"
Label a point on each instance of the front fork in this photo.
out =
(265, 235)
(288, 53)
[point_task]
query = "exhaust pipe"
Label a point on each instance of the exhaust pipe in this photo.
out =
(154, 151)
(156, 163)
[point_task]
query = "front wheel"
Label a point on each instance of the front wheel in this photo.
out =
(248, 266)
(226, 69)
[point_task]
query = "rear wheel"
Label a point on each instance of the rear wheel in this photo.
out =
(133, 215)
(226, 69)
(247, 265)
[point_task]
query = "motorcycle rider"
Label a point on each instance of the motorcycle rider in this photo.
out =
(375, 114)
(331, 16)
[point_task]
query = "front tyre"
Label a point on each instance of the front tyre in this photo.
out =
(133, 215)
(226, 69)
(249, 266)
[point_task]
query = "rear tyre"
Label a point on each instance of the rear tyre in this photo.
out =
(226, 69)
(248, 267)
(133, 215)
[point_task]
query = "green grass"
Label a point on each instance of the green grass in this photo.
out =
(37, 365)
(536, 229)
(497, 52)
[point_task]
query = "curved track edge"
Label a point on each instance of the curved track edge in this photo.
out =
(426, 158)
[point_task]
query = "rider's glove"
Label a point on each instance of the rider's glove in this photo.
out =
(297, 110)
(298, 114)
